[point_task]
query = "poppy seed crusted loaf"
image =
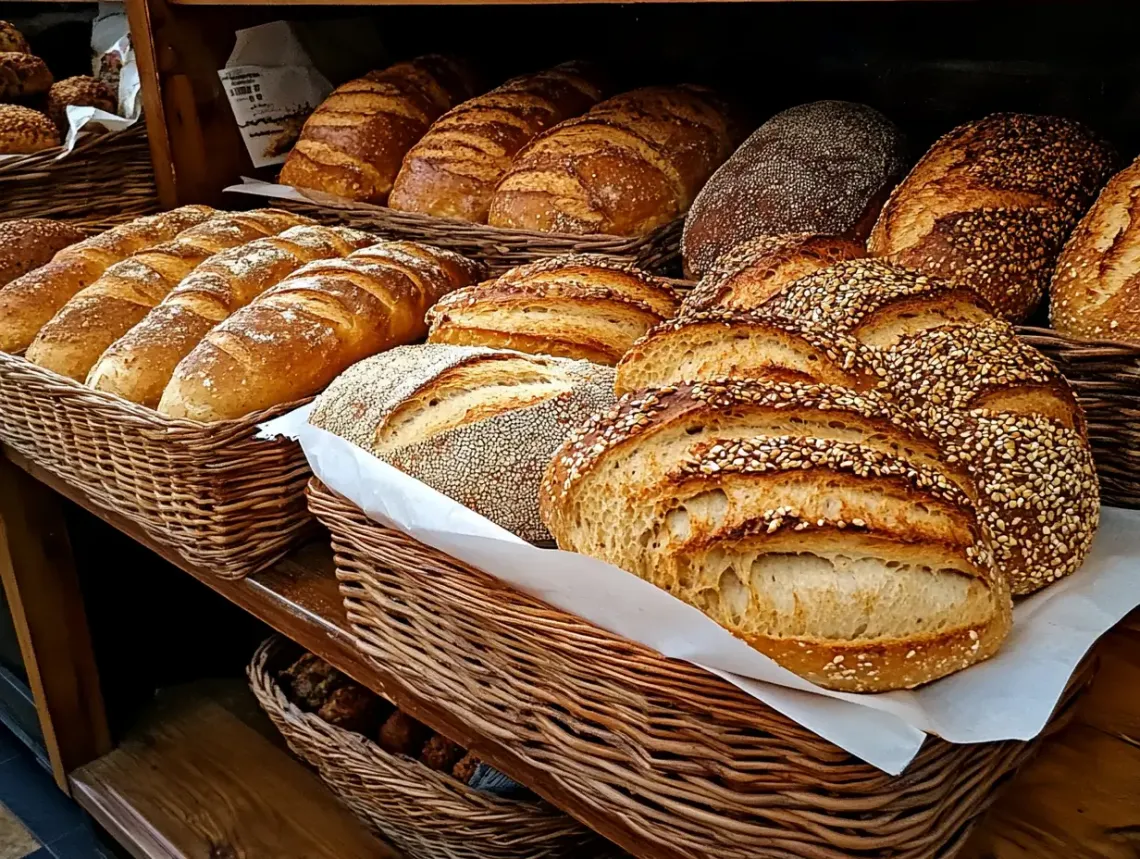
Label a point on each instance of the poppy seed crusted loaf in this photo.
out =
(824, 167)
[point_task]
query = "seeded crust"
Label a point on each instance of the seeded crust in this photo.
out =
(12, 40)
(627, 166)
(24, 131)
(758, 269)
(23, 76)
(570, 307)
(991, 204)
(454, 168)
(28, 243)
(824, 167)
(81, 91)
(1095, 292)
(354, 142)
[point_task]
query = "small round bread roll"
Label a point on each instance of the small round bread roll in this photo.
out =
(23, 76)
(12, 40)
(23, 131)
(81, 91)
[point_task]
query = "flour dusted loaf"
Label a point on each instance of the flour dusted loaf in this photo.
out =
(139, 365)
(579, 306)
(299, 335)
(1095, 291)
(991, 204)
(824, 167)
(100, 314)
(460, 418)
(453, 170)
(28, 302)
(629, 165)
(12, 40)
(819, 525)
(80, 91)
(354, 142)
(28, 243)
(24, 131)
(23, 76)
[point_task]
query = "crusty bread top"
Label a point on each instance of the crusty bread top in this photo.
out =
(12, 40)
(81, 91)
(822, 167)
(24, 131)
(23, 75)
(28, 243)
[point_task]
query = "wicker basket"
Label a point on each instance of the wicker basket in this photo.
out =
(686, 760)
(426, 814)
(500, 249)
(105, 180)
(225, 501)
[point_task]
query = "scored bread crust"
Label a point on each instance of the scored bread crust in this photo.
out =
(24, 131)
(28, 243)
(992, 202)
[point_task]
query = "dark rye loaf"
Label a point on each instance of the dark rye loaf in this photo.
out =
(824, 167)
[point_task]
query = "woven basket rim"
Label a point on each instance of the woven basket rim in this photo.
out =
(47, 158)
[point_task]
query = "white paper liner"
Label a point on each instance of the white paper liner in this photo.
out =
(1009, 697)
(258, 188)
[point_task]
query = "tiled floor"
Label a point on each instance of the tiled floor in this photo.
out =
(37, 820)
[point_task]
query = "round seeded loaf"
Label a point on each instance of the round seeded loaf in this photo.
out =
(12, 40)
(24, 131)
(81, 91)
(23, 76)
(28, 243)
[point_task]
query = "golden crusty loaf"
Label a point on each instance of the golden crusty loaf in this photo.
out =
(23, 76)
(12, 40)
(453, 170)
(991, 204)
(629, 165)
(354, 142)
(138, 366)
(1095, 292)
(459, 418)
(578, 306)
(824, 167)
(818, 525)
(299, 335)
(28, 243)
(24, 131)
(81, 91)
(757, 269)
(72, 341)
(28, 302)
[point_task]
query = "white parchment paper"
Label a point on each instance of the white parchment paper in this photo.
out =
(1009, 697)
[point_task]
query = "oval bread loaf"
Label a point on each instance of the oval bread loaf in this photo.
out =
(139, 365)
(80, 91)
(458, 418)
(24, 131)
(354, 142)
(101, 313)
(12, 40)
(28, 243)
(577, 306)
(991, 204)
(453, 170)
(825, 167)
(299, 335)
(28, 302)
(818, 525)
(23, 76)
(629, 165)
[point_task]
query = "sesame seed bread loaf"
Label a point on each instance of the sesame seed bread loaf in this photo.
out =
(297, 336)
(458, 418)
(453, 170)
(578, 306)
(12, 40)
(28, 243)
(138, 366)
(991, 204)
(80, 91)
(72, 341)
(24, 131)
(817, 524)
(824, 167)
(757, 269)
(1095, 291)
(28, 302)
(23, 76)
(629, 165)
(354, 142)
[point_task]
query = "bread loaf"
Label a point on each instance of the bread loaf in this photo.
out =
(100, 314)
(578, 306)
(1095, 291)
(12, 40)
(459, 418)
(825, 167)
(755, 270)
(138, 366)
(816, 524)
(24, 131)
(301, 334)
(991, 203)
(81, 91)
(28, 243)
(22, 76)
(629, 165)
(452, 172)
(28, 302)
(353, 144)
